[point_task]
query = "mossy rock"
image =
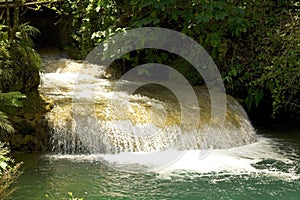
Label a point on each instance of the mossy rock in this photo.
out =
(31, 129)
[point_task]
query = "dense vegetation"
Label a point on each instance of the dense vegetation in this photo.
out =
(254, 43)
(8, 174)
(19, 77)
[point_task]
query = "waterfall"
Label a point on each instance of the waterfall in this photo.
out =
(94, 120)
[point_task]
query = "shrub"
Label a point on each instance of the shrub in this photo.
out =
(8, 172)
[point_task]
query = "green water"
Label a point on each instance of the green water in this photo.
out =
(91, 179)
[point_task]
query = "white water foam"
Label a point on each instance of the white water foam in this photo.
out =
(233, 161)
(59, 81)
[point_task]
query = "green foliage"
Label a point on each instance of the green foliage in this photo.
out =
(4, 160)
(92, 21)
(5, 125)
(24, 34)
(19, 62)
(11, 99)
(202, 20)
(6, 71)
(10, 71)
(8, 172)
(267, 64)
(8, 101)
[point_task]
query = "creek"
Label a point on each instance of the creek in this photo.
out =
(107, 143)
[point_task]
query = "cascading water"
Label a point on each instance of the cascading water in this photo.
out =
(149, 122)
(97, 140)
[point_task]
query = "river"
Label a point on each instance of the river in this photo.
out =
(117, 157)
(267, 169)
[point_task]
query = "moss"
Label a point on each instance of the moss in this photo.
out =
(30, 124)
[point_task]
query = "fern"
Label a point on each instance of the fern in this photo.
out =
(28, 29)
(11, 99)
(8, 172)
(5, 125)
(25, 32)
(6, 72)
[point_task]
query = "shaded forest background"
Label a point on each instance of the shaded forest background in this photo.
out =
(255, 44)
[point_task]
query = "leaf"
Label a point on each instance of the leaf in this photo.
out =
(220, 4)
(207, 16)
(215, 39)
(220, 14)
(3, 165)
(176, 14)
(234, 72)
(5, 125)
(259, 95)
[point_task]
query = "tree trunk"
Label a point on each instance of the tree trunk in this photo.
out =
(7, 17)
(16, 18)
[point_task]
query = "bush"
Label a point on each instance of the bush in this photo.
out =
(8, 173)
(265, 61)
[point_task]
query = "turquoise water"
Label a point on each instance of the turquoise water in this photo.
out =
(269, 169)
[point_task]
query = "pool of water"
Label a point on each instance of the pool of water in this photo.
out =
(267, 169)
